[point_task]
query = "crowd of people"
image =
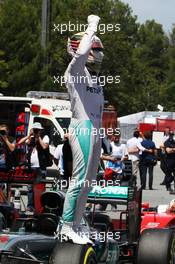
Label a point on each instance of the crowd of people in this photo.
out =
(142, 151)
(37, 156)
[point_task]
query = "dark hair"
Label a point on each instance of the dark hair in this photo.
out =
(136, 134)
(147, 134)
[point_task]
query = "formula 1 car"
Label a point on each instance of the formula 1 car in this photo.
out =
(145, 235)
(114, 238)
(120, 236)
(157, 241)
(31, 240)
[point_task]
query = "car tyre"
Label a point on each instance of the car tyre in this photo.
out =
(156, 246)
(67, 252)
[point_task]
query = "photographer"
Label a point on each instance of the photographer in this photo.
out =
(38, 156)
(6, 147)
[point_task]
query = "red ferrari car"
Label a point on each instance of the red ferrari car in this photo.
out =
(157, 240)
(161, 217)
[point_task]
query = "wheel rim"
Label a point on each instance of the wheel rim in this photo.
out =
(89, 257)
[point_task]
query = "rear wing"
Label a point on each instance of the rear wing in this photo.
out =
(118, 194)
(130, 197)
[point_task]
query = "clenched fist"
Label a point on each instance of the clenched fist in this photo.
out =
(93, 22)
(93, 19)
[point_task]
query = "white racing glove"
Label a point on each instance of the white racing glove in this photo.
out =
(93, 21)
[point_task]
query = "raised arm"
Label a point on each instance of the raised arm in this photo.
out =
(80, 58)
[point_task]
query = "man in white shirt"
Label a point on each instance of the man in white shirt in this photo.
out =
(134, 149)
(118, 154)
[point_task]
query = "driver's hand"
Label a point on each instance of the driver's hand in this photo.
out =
(93, 19)
(93, 22)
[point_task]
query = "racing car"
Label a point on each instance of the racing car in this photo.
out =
(126, 235)
(31, 240)
(157, 241)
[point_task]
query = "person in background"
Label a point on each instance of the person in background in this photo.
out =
(170, 160)
(63, 159)
(6, 147)
(163, 164)
(106, 144)
(118, 154)
(147, 160)
(166, 134)
(134, 149)
(38, 156)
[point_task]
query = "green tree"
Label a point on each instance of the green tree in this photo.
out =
(150, 66)
(168, 94)
(3, 72)
(142, 55)
(20, 40)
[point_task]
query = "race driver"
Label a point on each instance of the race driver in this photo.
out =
(86, 98)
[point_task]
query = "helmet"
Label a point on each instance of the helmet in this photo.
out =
(74, 42)
(96, 53)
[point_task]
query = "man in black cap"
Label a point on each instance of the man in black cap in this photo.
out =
(170, 160)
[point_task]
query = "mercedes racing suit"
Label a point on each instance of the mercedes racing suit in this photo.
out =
(86, 98)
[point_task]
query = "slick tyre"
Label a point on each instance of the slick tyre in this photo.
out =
(156, 246)
(68, 253)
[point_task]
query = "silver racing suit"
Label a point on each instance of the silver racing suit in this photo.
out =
(86, 98)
